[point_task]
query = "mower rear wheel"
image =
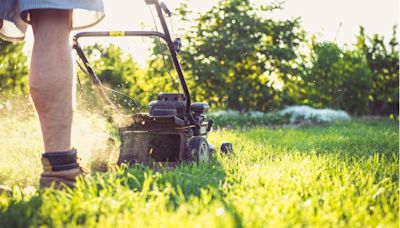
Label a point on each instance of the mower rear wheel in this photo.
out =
(197, 150)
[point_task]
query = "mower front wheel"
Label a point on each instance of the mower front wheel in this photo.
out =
(197, 150)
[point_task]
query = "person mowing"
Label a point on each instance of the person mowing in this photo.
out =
(51, 74)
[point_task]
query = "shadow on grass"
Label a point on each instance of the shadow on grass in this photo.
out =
(178, 185)
(187, 179)
(20, 213)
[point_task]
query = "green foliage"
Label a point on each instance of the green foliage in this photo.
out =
(337, 79)
(236, 58)
(383, 61)
(234, 55)
(111, 67)
(121, 72)
(13, 68)
(343, 175)
(117, 71)
(160, 75)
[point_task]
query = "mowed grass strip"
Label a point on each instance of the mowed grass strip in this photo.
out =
(342, 175)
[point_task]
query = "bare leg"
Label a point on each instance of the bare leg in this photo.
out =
(51, 76)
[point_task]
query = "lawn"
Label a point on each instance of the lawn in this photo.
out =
(342, 175)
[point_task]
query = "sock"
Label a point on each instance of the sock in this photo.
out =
(59, 161)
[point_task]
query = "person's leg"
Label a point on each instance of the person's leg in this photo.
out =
(51, 76)
(51, 88)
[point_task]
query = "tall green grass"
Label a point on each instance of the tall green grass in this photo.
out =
(343, 174)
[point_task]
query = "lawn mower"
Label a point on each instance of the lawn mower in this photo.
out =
(174, 129)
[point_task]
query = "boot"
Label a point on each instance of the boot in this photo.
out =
(60, 169)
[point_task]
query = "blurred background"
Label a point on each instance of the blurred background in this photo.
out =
(244, 55)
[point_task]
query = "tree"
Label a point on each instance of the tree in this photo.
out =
(13, 68)
(236, 57)
(116, 71)
(337, 79)
(160, 74)
(383, 61)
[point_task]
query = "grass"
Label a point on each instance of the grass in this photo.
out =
(341, 175)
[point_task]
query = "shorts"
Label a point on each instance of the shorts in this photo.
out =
(15, 14)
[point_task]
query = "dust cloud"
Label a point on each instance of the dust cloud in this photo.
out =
(94, 134)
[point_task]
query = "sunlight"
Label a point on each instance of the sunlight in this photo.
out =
(340, 19)
(330, 20)
(136, 15)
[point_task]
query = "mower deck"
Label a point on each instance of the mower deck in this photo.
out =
(149, 139)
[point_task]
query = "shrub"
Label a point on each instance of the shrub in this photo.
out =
(338, 79)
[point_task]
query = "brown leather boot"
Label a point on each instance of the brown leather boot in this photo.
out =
(60, 169)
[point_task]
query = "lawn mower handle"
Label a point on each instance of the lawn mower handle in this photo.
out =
(166, 36)
(174, 56)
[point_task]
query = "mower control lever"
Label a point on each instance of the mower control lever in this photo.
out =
(162, 5)
(165, 9)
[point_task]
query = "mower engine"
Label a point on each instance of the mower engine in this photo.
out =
(166, 133)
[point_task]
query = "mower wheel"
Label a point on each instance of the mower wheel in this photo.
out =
(226, 148)
(197, 150)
